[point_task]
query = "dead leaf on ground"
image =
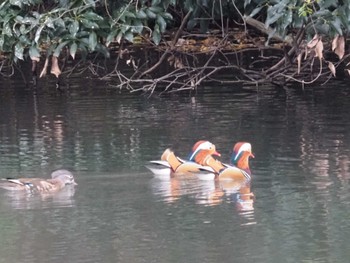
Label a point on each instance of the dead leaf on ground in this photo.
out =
(331, 67)
(178, 63)
(37, 59)
(44, 70)
(338, 46)
(55, 69)
(180, 42)
(299, 62)
(171, 60)
(313, 42)
(335, 42)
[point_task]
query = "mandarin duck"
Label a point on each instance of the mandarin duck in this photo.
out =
(170, 165)
(59, 179)
(239, 170)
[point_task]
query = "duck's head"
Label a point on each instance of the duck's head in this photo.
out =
(63, 175)
(242, 151)
(201, 146)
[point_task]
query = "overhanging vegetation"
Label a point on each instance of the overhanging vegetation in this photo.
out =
(193, 41)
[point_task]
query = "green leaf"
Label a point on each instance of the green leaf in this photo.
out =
(151, 14)
(92, 40)
(111, 37)
(73, 27)
(60, 23)
(255, 11)
(275, 12)
(325, 4)
(91, 2)
(2, 41)
(7, 30)
(19, 19)
(336, 23)
(89, 24)
(82, 34)
(141, 14)
(85, 41)
(246, 3)
(22, 29)
(119, 37)
(16, 2)
(129, 14)
(29, 20)
(161, 22)
(125, 28)
(103, 50)
(34, 52)
(320, 13)
(166, 15)
(19, 49)
(156, 9)
(298, 21)
(93, 16)
(38, 33)
(156, 37)
(343, 14)
(49, 23)
(59, 48)
(137, 27)
(320, 28)
(129, 36)
(156, 2)
(3, 4)
(191, 24)
(286, 21)
(204, 3)
(83, 50)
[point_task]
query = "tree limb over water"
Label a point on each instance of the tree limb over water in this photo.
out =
(173, 46)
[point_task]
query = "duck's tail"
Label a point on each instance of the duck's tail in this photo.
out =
(171, 158)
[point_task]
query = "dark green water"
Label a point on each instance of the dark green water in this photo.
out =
(120, 213)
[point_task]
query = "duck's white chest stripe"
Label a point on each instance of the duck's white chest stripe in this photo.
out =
(246, 175)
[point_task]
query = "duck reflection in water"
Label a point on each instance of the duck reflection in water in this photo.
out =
(207, 193)
(238, 193)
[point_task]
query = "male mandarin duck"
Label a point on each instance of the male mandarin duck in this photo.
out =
(171, 165)
(59, 179)
(240, 170)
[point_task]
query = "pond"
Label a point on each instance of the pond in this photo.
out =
(119, 212)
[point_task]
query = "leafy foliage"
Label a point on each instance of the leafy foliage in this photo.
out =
(34, 27)
(29, 27)
(325, 17)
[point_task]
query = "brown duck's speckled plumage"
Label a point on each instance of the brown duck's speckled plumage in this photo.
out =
(59, 179)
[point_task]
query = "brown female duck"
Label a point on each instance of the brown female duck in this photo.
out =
(59, 179)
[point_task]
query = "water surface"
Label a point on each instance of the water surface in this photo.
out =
(120, 213)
